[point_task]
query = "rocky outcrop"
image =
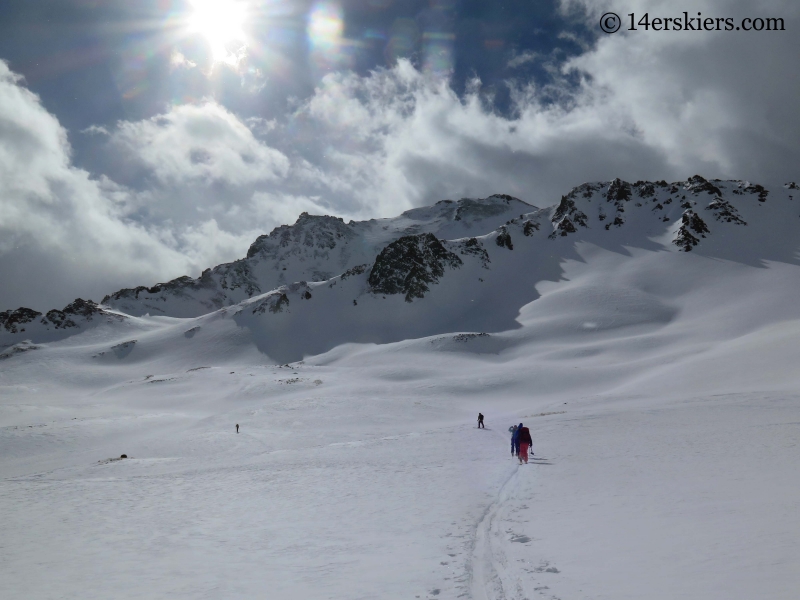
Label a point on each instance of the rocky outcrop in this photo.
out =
(529, 226)
(14, 321)
(757, 189)
(72, 315)
(24, 323)
(409, 265)
(504, 239)
(619, 192)
(725, 211)
(690, 222)
(566, 216)
(321, 232)
(698, 185)
(78, 310)
(471, 247)
(563, 228)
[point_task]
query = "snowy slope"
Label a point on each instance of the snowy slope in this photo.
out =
(660, 386)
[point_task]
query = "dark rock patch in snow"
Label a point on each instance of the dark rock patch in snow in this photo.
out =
(725, 211)
(563, 228)
(690, 222)
(14, 321)
(408, 265)
(698, 185)
(529, 226)
(567, 208)
(274, 303)
(124, 349)
(17, 349)
(618, 192)
(757, 189)
(357, 270)
(470, 247)
(504, 239)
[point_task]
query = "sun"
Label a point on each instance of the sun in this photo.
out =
(221, 22)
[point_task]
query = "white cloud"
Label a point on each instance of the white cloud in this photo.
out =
(523, 58)
(199, 143)
(95, 130)
(178, 61)
(260, 126)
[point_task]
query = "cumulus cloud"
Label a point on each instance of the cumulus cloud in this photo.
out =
(199, 143)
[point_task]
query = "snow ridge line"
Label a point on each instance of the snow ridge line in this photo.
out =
(484, 576)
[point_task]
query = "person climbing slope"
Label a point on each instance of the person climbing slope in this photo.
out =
(524, 440)
(515, 439)
(480, 421)
(513, 430)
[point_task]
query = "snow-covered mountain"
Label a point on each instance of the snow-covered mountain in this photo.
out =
(27, 324)
(315, 248)
(469, 265)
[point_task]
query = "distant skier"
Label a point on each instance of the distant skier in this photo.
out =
(480, 421)
(513, 430)
(237, 428)
(525, 442)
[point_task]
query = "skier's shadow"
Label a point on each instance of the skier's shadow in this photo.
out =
(539, 461)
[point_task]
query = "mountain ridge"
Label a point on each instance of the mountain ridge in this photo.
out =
(732, 220)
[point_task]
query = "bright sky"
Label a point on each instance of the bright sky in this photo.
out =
(140, 141)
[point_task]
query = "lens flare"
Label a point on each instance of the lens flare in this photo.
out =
(221, 22)
(329, 50)
(325, 25)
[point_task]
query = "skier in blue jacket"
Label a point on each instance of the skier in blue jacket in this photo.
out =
(514, 429)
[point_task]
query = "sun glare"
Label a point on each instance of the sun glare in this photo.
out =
(221, 22)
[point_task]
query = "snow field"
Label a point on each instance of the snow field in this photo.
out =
(660, 389)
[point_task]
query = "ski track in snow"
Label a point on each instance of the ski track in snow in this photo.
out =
(486, 568)
(492, 572)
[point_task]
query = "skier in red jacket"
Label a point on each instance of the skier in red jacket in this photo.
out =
(525, 442)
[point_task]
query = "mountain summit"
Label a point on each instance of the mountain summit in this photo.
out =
(315, 248)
